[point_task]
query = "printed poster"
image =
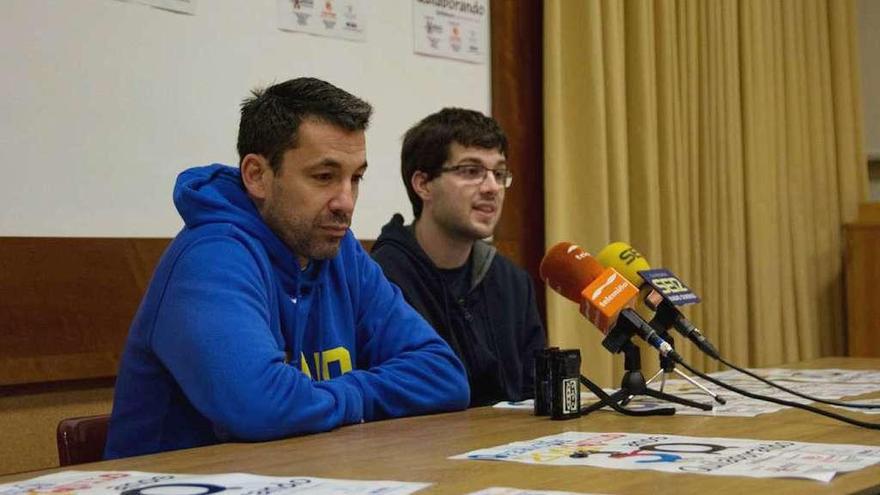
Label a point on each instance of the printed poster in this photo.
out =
(685, 454)
(345, 19)
(139, 483)
(456, 29)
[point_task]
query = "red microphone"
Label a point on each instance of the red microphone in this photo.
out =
(568, 269)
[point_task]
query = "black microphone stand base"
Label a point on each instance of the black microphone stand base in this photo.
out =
(633, 384)
(615, 401)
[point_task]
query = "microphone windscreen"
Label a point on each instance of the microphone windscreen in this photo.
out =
(625, 259)
(568, 269)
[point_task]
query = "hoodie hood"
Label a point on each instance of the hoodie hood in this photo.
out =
(404, 237)
(214, 194)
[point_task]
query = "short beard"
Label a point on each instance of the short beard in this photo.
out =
(462, 231)
(299, 236)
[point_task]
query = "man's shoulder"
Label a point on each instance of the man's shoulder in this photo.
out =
(397, 252)
(216, 244)
(217, 233)
(502, 266)
(400, 264)
(391, 251)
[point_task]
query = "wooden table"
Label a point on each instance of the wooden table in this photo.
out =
(417, 449)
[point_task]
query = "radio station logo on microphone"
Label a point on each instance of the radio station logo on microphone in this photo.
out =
(607, 296)
(598, 291)
(670, 285)
(578, 252)
(667, 284)
(630, 255)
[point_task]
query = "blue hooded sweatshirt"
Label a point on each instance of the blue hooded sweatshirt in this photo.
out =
(234, 342)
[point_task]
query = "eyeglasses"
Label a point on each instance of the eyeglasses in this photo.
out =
(474, 174)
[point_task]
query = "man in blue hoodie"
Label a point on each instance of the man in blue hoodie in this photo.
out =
(265, 318)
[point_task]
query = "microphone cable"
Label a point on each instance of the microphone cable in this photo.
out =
(794, 392)
(782, 402)
(716, 356)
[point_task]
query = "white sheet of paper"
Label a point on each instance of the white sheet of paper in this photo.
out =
(140, 483)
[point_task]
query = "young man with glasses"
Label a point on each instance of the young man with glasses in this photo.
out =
(455, 172)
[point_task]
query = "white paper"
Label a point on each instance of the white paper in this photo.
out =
(685, 454)
(528, 404)
(343, 19)
(456, 29)
(825, 375)
(140, 483)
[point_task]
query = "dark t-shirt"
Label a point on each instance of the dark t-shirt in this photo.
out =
(458, 280)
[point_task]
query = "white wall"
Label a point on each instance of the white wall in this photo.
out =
(104, 102)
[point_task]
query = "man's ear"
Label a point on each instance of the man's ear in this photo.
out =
(420, 182)
(256, 174)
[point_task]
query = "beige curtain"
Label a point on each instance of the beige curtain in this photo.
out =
(721, 138)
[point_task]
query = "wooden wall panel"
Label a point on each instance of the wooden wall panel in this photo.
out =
(869, 212)
(862, 296)
(66, 304)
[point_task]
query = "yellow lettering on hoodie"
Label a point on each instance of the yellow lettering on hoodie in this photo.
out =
(338, 355)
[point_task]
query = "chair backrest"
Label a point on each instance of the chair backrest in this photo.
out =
(82, 439)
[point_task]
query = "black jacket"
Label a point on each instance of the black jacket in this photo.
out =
(494, 329)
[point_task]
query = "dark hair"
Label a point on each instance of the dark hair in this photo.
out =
(426, 144)
(271, 117)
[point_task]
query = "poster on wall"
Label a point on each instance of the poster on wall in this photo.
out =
(343, 19)
(455, 29)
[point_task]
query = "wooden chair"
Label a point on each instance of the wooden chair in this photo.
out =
(81, 439)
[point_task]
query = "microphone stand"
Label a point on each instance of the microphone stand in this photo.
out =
(632, 384)
(606, 400)
(663, 319)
